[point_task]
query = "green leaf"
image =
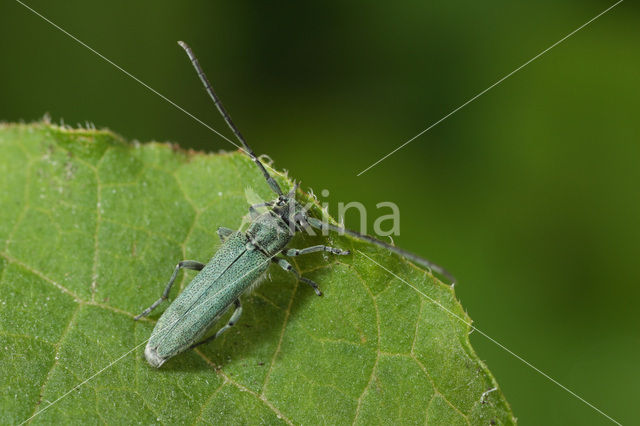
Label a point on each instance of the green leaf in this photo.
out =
(91, 228)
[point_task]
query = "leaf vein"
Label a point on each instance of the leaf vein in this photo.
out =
(378, 349)
(277, 351)
(55, 359)
(34, 271)
(244, 389)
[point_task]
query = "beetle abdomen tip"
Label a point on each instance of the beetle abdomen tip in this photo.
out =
(151, 354)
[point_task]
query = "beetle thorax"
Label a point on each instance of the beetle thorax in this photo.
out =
(269, 233)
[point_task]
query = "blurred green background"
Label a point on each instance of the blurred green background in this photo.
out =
(529, 194)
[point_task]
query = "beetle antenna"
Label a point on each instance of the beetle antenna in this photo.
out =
(318, 224)
(227, 118)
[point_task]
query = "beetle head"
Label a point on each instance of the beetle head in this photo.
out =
(291, 211)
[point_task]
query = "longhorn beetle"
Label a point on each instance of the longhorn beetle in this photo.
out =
(240, 261)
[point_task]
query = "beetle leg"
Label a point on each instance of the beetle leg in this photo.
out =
(287, 267)
(224, 233)
(188, 264)
(314, 249)
(232, 321)
(253, 210)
